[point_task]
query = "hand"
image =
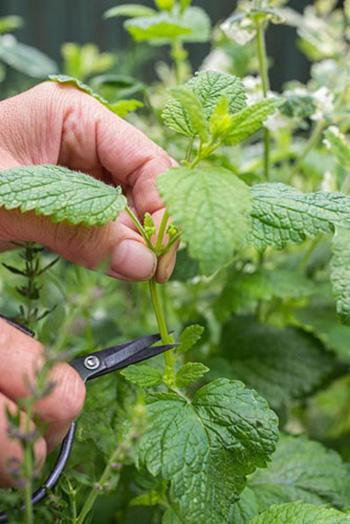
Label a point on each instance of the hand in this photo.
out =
(20, 358)
(54, 124)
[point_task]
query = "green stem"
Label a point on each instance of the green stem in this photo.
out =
(161, 232)
(139, 226)
(28, 469)
(179, 55)
(96, 492)
(311, 143)
(169, 374)
(264, 74)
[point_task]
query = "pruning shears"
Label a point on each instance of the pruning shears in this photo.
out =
(91, 366)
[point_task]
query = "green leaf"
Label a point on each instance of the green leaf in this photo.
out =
(61, 194)
(206, 448)
(120, 108)
(200, 24)
(209, 87)
(10, 23)
(82, 61)
(281, 214)
(129, 10)
(25, 59)
(321, 320)
(159, 27)
(249, 120)
(302, 470)
(338, 145)
(193, 111)
(189, 373)
(299, 512)
(212, 206)
(143, 375)
(189, 337)
(151, 498)
(281, 364)
(340, 272)
(245, 290)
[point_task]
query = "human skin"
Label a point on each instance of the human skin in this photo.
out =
(53, 124)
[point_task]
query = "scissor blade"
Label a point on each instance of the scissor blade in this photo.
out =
(148, 353)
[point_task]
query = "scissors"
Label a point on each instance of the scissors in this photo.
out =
(89, 367)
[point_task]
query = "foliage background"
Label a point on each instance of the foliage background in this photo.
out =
(48, 23)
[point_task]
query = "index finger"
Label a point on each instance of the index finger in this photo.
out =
(132, 159)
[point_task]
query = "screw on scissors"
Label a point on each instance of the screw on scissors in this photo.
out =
(90, 367)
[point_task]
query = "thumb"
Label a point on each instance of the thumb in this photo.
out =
(116, 246)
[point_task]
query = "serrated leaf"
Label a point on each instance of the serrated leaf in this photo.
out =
(189, 337)
(245, 290)
(281, 214)
(121, 108)
(321, 320)
(189, 373)
(299, 512)
(162, 26)
(212, 206)
(209, 87)
(143, 375)
(340, 272)
(206, 448)
(338, 145)
(193, 110)
(305, 470)
(249, 120)
(281, 364)
(25, 59)
(61, 194)
(129, 10)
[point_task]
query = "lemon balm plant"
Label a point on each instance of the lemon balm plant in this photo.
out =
(246, 421)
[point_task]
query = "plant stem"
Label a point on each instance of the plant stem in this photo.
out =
(179, 55)
(161, 232)
(169, 374)
(311, 143)
(139, 226)
(28, 468)
(264, 74)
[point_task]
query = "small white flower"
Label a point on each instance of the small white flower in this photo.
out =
(240, 32)
(217, 60)
(329, 182)
(324, 103)
(276, 122)
(253, 88)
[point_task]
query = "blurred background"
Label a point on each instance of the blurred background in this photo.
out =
(49, 23)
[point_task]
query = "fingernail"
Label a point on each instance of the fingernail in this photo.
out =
(133, 260)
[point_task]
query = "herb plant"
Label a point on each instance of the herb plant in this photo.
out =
(246, 422)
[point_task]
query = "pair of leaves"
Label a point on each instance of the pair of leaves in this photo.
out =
(300, 469)
(213, 104)
(206, 448)
(281, 364)
(61, 194)
(121, 108)
(212, 205)
(191, 24)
